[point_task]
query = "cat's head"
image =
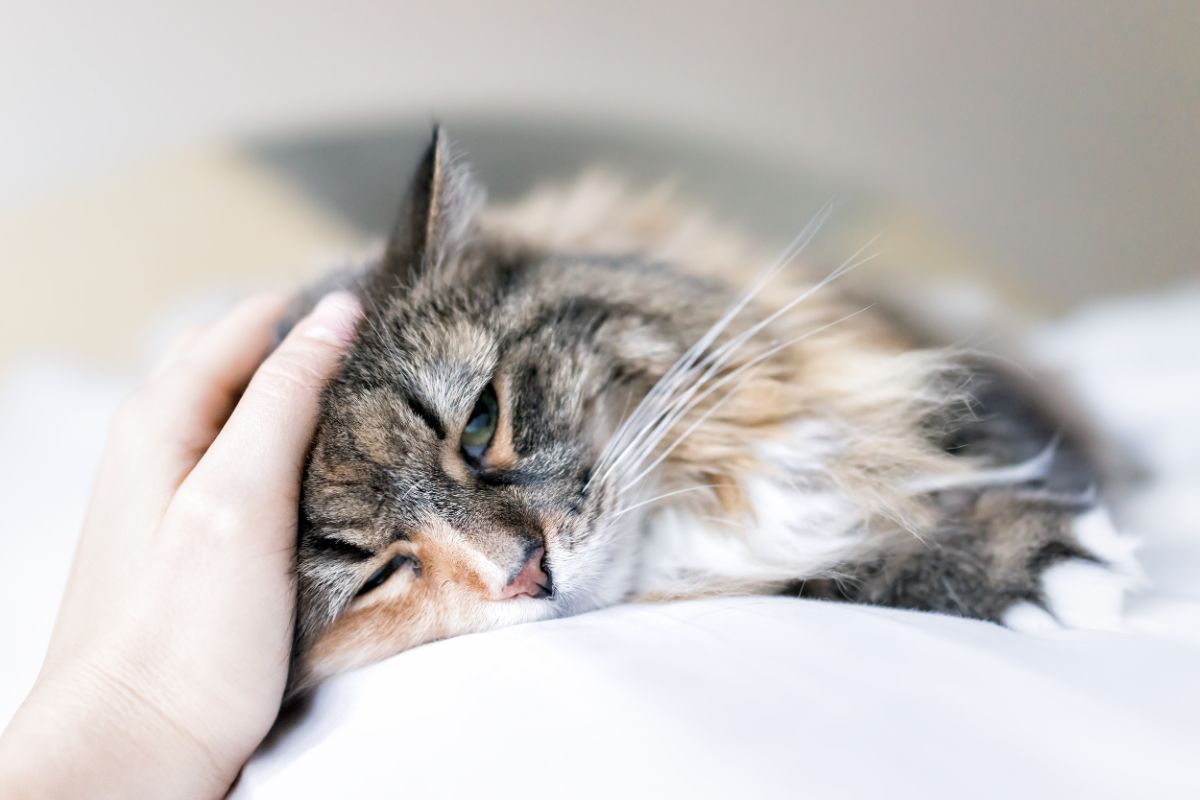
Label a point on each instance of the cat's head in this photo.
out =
(453, 484)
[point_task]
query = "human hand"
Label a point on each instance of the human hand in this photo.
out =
(168, 660)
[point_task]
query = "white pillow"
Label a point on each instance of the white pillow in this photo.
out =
(755, 697)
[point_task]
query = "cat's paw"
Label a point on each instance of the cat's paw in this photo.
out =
(1082, 593)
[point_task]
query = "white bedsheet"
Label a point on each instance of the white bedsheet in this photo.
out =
(763, 697)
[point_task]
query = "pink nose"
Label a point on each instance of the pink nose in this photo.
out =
(532, 581)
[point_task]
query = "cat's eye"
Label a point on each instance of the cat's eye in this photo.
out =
(481, 425)
(380, 576)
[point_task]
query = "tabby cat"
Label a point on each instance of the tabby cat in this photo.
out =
(593, 396)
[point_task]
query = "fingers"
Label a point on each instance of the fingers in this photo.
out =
(254, 465)
(207, 369)
(188, 397)
(179, 344)
(157, 437)
(224, 357)
(163, 428)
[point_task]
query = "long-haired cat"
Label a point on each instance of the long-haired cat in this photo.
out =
(592, 397)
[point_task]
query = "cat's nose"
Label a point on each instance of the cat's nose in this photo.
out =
(532, 580)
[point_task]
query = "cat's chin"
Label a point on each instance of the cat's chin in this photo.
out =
(502, 613)
(598, 572)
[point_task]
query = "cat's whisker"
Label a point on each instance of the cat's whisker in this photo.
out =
(719, 358)
(655, 402)
(846, 266)
(679, 404)
(738, 526)
(798, 244)
(664, 495)
(703, 418)
(732, 375)
(648, 409)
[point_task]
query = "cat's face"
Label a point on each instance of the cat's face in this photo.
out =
(451, 485)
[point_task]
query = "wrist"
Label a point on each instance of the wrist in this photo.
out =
(84, 734)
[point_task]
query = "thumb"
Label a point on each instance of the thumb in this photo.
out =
(263, 445)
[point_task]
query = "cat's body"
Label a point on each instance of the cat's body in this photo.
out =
(593, 397)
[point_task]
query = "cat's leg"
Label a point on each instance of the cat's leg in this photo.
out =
(1011, 555)
(1034, 555)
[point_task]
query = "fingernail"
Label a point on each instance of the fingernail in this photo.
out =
(334, 319)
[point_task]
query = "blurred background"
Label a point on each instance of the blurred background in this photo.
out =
(154, 153)
(158, 158)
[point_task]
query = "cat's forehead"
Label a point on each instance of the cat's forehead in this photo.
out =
(428, 353)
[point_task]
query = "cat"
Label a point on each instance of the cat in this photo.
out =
(594, 396)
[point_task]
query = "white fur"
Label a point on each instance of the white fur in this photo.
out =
(1095, 531)
(1084, 594)
(797, 524)
(1081, 594)
(1030, 618)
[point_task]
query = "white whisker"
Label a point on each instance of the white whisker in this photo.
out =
(665, 495)
(703, 418)
(670, 411)
(732, 375)
(667, 384)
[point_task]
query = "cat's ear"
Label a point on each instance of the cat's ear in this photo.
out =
(435, 222)
(438, 212)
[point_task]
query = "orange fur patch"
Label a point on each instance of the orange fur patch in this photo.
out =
(406, 611)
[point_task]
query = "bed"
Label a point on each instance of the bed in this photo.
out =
(746, 697)
(766, 697)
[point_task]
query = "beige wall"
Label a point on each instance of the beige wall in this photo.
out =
(1057, 138)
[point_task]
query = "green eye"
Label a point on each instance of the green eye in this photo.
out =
(481, 426)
